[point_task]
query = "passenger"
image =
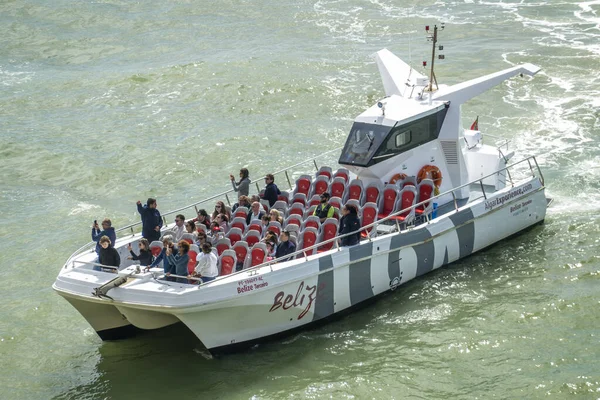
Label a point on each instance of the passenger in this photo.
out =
(350, 223)
(108, 255)
(324, 210)
(271, 237)
(255, 198)
(220, 209)
(271, 190)
(107, 230)
(223, 222)
(265, 222)
(271, 251)
(145, 258)
(167, 241)
(285, 247)
(243, 186)
(179, 261)
(216, 232)
(256, 212)
(203, 218)
(190, 227)
(206, 269)
(243, 201)
(151, 220)
(179, 227)
(202, 238)
(275, 216)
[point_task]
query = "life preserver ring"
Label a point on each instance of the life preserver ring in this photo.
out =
(430, 172)
(397, 177)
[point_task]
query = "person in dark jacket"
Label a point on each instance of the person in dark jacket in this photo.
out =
(285, 247)
(350, 223)
(145, 257)
(151, 220)
(256, 212)
(108, 255)
(179, 262)
(107, 230)
(271, 190)
(203, 218)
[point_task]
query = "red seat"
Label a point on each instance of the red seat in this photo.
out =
(303, 185)
(343, 173)
(255, 227)
(258, 254)
(222, 245)
(156, 247)
(296, 209)
(192, 254)
(311, 221)
(368, 216)
(234, 235)
(315, 200)
(328, 230)
(241, 251)
(241, 212)
(373, 192)
(252, 237)
(337, 187)
(320, 185)
(336, 202)
(227, 262)
(284, 196)
(325, 171)
(299, 198)
(275, 227)
(188, 237)
(425, 189)
(292, 219)
(239, 222)
(388, 202)
(308, 238)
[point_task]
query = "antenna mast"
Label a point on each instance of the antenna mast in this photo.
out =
(434, 38)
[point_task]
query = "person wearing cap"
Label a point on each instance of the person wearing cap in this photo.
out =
(324, 210)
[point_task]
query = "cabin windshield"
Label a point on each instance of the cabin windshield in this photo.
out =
(370, 144)
(362, 143)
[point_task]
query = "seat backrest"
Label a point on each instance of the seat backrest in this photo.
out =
(284, 196)
(409, 181)
(241, 251)
(312, 221)
(388, 199)
(342, 173)
(325, 171)
(314, 200)
(255, 225)
(238, 222)
(309, 211)
(227, 262)
(222, 245)
(275, 227)
(336, 202)
(373, 192)
(167, 232)
(319, 185)
(234, 235)
(193, 255)
(293, 229)
(369, 214)
(354, 203)
(291, 220)
(265, 204)
(296, 209)
(299, 198)
(252, 237)
(156, 247)
(188, 237)
(337, 187)
(258, 254)
(302, 185)
(241, 212)
(354, 191)
(281, 206)
(328, 230)
(425, 190)
(308, 237)
(407, 197)
(200, 227)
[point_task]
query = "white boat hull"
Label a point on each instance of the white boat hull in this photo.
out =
(258, 304)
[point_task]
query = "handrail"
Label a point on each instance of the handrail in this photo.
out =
(378, 222)
(373, 224)
(131, 226)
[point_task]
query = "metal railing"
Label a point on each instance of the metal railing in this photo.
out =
(131, 227)
(368, 228)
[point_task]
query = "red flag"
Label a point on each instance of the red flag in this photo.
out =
(475, 124)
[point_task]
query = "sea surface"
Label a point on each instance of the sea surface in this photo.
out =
(104, 103)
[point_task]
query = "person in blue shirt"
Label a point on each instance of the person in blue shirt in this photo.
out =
(162, 257)
(107, 230)
(271, 190)
(179, 262)
(151, 220)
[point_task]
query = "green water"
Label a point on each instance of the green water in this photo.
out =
(104, 103)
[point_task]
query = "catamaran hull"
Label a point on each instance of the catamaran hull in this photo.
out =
(262, 304)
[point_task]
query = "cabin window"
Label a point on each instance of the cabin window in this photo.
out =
(362, 143)
(402, 138)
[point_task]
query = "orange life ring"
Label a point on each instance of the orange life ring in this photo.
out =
(398, 177)
(430, 172)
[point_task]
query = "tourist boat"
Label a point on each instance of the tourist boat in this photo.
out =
(428, 191)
